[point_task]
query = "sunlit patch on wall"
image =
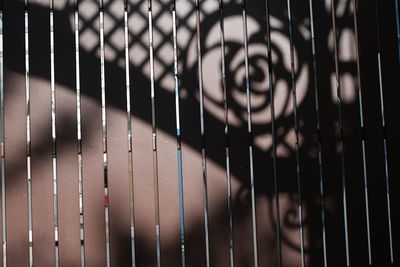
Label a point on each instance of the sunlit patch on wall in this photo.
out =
(348, 89)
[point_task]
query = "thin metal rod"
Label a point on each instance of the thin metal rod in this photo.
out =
(362, 125)
(28, 136)
(250, 134)
(296, 129)
(3, 144)
(104, 136)
(397, 12)
(54, 137)
(273, 130)
(129, 136)
(385, 141)
(202, 133)
(79, 135)
(341, 137)
(178, 135)
(154, 134)
(318, 129)
(226, 133)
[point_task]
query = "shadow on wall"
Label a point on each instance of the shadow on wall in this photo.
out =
(286, 169)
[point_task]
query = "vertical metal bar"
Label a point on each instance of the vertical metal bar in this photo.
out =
(28, 134)
(104, 136)
(54, 136)
(202, 133)
(362, 125)
(318, 129)
(129, 135)
(154, 134)
(178, 134)
(3, 144)
(296, 129)
(273, 130)
(226, 133)
(250, 134)
(397, 13)
(341, 135)
(79, 135)
(385, 141)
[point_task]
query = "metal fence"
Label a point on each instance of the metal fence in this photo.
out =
(199, 133)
